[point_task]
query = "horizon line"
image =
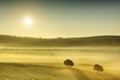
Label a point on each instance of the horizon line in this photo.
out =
(55, 37)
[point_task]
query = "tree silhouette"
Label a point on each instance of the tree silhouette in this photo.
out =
(68, 63)
(98, 67)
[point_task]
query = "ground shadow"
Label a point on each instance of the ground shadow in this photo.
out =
(79, 74)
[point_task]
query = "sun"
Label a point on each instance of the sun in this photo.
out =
(28, 21)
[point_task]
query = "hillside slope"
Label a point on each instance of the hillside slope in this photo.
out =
(14, 41)
(13, 71)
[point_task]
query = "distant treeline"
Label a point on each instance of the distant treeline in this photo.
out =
(13, 41)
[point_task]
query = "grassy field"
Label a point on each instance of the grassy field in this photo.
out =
(47, 63)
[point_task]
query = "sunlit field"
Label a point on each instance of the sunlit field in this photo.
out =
(47, 63)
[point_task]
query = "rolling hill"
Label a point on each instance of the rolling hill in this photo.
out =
(13, 41)
(15, 71)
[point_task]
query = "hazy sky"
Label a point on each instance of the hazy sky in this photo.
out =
(60, 18)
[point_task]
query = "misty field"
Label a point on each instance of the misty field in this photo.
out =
(47, 63)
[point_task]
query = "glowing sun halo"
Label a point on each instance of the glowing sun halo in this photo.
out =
(27, 21)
